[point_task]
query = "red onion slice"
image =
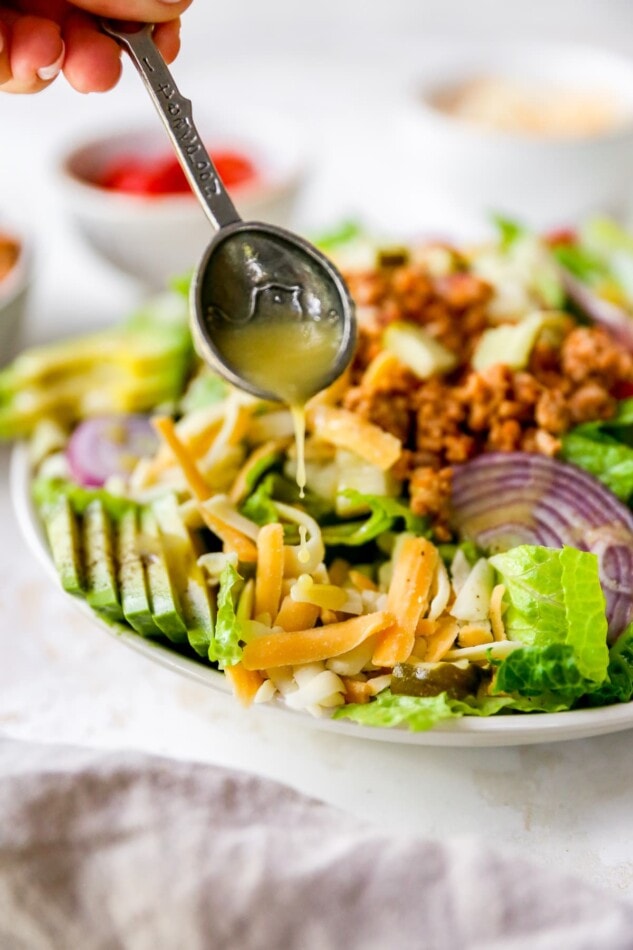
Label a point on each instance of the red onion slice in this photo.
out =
(108, 445)
(509, 498)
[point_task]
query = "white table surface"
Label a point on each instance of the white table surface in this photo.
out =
(63, 679)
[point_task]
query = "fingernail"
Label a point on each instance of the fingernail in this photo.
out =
(170, 1)
(46, 73)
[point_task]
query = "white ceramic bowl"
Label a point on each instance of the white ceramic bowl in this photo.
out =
(545, 181)
(156, 238)
(13, 298)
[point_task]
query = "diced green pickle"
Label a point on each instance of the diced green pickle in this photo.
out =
(431, 679)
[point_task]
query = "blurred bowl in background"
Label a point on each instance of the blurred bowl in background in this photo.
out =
(158, 236)
(542, 132)
(15, 272)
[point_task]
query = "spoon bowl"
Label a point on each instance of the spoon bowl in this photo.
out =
(267, 298)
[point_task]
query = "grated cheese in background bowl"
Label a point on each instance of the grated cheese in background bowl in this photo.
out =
(532, 108)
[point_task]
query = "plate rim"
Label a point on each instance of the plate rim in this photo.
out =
(466, 731)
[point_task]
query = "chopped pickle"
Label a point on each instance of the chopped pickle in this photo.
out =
(430, 679)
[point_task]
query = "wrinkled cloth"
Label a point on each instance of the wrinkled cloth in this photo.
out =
(102, 851)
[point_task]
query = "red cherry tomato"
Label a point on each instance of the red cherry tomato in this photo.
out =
(561, 236)
(233, 168)
(164, 176)
(623, 390)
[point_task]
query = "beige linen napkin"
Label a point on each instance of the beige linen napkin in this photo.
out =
(124, 851)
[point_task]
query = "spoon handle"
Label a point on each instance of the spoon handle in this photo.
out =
(175, 111)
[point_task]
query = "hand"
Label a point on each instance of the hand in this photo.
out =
(41, 38)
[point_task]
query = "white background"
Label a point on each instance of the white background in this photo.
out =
(337, 70)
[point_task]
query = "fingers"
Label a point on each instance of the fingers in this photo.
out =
(5, 65)
(32, 55)
(93, 60)
(167, 38)
(34, 48)
(147, 11)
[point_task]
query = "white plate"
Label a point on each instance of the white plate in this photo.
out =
(469, 731)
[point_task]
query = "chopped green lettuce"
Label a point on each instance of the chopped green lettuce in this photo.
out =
(263, 465)
(224, 648)
(547, 676)
(508, 230)
(580, 262)
(522, 259)
(606, 236)
(342, 234)
(605, 450)
(548, 679)
(618, 686)
(349, 245)
(386, 514)
(260, 504)
(181, 283)
(602, 258)
(468, 548)
(418, 713)
(555, 596)
(204, 390)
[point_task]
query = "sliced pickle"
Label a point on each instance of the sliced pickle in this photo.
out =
(457, 680)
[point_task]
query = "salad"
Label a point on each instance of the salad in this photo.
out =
(464, 545)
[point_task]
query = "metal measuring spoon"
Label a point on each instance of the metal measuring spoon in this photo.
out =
(250, 271)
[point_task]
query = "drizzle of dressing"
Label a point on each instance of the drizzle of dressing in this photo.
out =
(289, 355)
(299, 422)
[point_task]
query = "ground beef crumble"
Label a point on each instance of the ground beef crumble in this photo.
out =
(445, 421)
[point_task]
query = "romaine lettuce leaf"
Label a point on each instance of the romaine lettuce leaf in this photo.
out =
(602, 258)
(548, 676)
(508, 230)
(387, 710)
(205, 390)
(580, 262)
(468, 548)
(224, 647)
(260, 504)
(181, 283)
(339, 236)
(555, 596)
(523, 258)
(548, 679)
(605, 450)
(618, 686)
(418, 713)
(603, 457)
(259, 507)
(385, 515)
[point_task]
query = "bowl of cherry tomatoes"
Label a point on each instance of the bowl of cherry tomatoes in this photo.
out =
(129, 198)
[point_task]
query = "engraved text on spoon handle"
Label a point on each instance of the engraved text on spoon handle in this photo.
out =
(175, 111)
